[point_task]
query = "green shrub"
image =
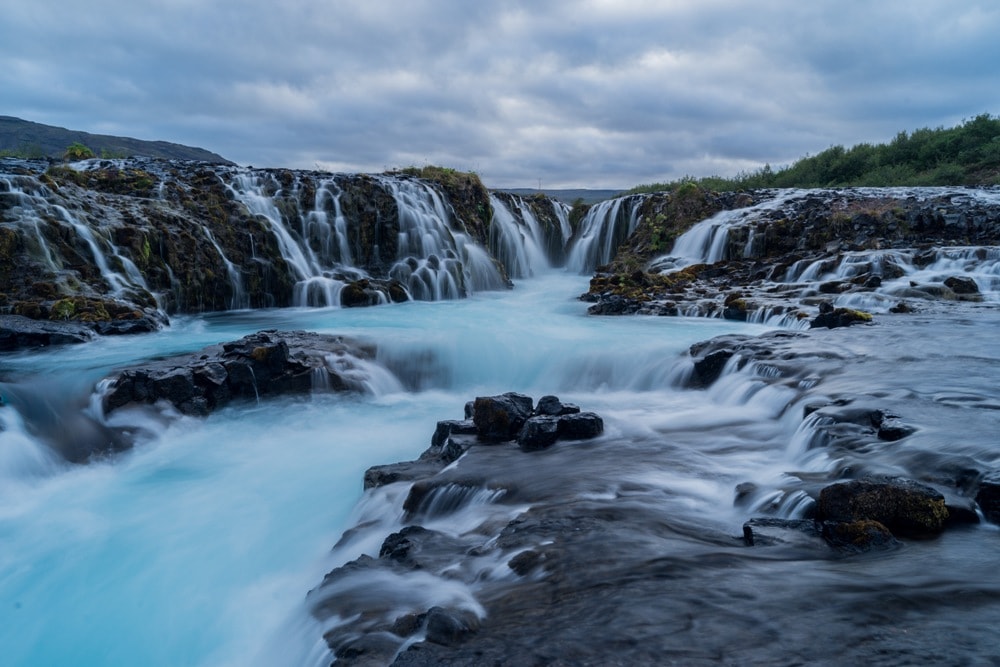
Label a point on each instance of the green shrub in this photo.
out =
(77, 151)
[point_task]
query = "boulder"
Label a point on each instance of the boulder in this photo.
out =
(580, 426)
(449, 627)
(961, 285)
(551, 405)
(858, 536)
(261, 364)
(890, 427)
(539, 433)
(449, 427)
(832, 318)
(17, 332)
(905, 507)
(501, 417)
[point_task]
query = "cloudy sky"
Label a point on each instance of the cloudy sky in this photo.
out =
(584, 93)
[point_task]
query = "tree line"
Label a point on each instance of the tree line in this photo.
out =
(967, 154)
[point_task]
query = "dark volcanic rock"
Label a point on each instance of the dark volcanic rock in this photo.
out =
(832, 318)
(580, 426)
(961, 285)
(538, 433)
(551, 405)
(905, 507)
(451, 427)
(262, 364)
(501, 417)
(858, 536)
(447, 628)
(769, 531)
(18, 332)
(988, 497)
(891, 427)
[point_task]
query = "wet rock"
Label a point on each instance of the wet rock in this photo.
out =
(580, 426)
(890, 427)
(905, 507)
(551, 405)
(708, 368)
(832, 318)
(770, 531)
(501, 417)
(447, 627)
(416, 547)
(858, 536)
(988, 496)
(523, 563)
(267, 363)
(451, 427)
(962, 285)
(539, 433)
(18, 332)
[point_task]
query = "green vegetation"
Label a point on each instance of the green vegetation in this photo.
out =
(25, 152)
(77, 151)
(968, 154)
(117, 154)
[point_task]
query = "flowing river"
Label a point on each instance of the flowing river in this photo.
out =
(198, 546)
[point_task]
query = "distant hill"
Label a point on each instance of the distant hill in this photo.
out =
(23, 138)
(566, 196)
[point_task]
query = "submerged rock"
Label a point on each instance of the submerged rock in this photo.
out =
(858, 536)
(988, 497)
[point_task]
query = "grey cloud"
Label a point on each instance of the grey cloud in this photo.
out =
(594, 93)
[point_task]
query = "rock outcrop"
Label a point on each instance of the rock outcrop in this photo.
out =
(782, 254)
(264, 364)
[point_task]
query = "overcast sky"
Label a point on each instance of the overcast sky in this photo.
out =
(599, 93)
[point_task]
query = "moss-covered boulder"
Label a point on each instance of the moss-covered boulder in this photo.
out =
(904, 506)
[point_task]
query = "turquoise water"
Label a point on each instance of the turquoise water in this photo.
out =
(198, 546)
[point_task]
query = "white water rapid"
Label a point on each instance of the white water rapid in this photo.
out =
(198, 546)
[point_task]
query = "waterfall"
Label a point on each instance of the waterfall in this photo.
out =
(517, 242)
(313, 286)
(240, 298)
(434, 260)
(605, 227)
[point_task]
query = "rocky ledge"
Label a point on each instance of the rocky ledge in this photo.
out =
(787, 254)
(264, 364)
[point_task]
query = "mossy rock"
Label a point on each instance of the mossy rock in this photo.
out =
(904, 506)
(858, 536)
(64, 309)
(832, 318)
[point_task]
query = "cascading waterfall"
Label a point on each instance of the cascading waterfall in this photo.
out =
(602, 230)
(240, 298)
(435, 261)
(313, 287)
(35, 209)
(517, 241)
(893, 274)
(323, 246)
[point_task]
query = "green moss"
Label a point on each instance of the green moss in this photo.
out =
(63, 309)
